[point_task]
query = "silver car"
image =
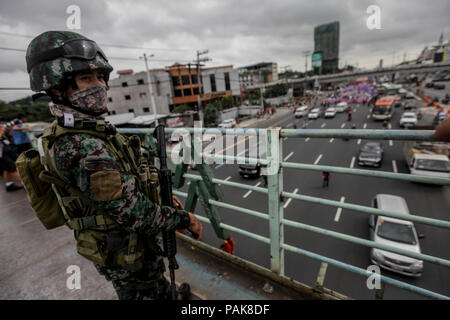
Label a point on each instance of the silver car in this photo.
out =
(396, 233)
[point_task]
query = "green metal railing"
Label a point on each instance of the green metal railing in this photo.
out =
(276, 196)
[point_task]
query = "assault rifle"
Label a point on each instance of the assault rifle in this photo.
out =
(165, 181)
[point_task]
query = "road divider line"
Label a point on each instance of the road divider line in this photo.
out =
(359, 141)
(343, 125)
(307, 139)
(289, 200)
(391, 143)
(389, 126)
(288, 156)
(352, 164)
(368, 116)
(250, 191)
(318, 159)
(331, 140)
(365, 125)
(339, 210)
(321, 276)
(394, 166)
(323, 125)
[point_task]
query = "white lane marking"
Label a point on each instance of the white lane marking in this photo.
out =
(339, 210)
(229, 177)
(318, 159)
(242, 152)
(343, 125)
(289, 200)
(288, 156)
(389, 126)
(284, 139)
(394, 166)
(365, 125)
(250, 191)
(368, 116)
(359, 141)
(331, 140)
(323, 125)
(353, 162)
(391, 143)
(307, 139)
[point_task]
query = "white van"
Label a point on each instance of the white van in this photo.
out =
(301, 111)
(341, 107)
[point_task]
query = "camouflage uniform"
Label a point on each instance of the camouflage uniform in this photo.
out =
(79, 156)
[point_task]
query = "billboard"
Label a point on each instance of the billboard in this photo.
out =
(316, 60)
(326, 40)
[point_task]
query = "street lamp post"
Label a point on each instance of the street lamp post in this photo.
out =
(150, 90)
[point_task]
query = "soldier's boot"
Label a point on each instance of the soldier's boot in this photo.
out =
(184, 291)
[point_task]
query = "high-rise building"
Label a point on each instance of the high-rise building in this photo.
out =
(326, 41)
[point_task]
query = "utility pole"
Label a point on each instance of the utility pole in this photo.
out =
(199, 80)
(261, 90)
(152, 98)
(306, 54)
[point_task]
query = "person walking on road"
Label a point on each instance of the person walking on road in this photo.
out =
(326, 178)
(263, 174)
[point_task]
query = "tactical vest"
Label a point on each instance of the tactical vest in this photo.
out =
(99, 238)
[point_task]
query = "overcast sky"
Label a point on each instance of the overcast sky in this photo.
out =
(235, 32)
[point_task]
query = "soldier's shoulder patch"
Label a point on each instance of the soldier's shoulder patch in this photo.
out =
(106, 185)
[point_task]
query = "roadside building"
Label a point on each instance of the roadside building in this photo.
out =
(264, 72)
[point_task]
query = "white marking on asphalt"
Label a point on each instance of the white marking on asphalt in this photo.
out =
(289, 200)
(359, 141)
(288, 156)
(323, 125)
(318, 159)
(389, 126)
(391, 143)
(284, 139)
(353, 162)
(343, 125)
(307, 139)
(229, 177)
(250, 191)
(242, 152)
(368, 116)
(394, 166)
(365, 125)
(331, 140)
(339, 210)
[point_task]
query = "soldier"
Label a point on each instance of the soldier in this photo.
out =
(115, 217)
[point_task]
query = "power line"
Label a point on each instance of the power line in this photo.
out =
(102, 44)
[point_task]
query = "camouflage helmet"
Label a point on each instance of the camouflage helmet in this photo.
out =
(53, 55)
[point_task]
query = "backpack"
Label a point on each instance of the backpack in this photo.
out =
(56, 202)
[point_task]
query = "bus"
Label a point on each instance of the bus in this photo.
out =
(384, 108)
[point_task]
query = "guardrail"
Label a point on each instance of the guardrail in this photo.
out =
(276, 196)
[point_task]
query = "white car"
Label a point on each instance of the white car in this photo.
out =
(229, 123)
(301, 111)
(330, 112)
(341, 107)
(408, 119)
(314, 114)
(400, 234)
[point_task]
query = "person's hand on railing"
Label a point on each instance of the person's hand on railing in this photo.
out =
(195, 226)
(442, 132)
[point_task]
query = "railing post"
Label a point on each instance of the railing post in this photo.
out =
(274, 154)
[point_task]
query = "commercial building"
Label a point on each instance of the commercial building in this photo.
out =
(264, 72)
(176, 85)
(129, 93)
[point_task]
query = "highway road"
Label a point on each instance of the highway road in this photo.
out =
(423, 200)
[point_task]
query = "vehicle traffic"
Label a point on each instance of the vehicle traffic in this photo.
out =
(301, 111)
(384, 108)
(314, 114)
(408, 119)
(229, 123)
(249, 170)
(330, 112)
(400, 234)
(371, 154)
(424, 159)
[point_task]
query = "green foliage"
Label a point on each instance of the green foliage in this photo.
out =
(35, 111)
(277, 90)
(181, 108)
